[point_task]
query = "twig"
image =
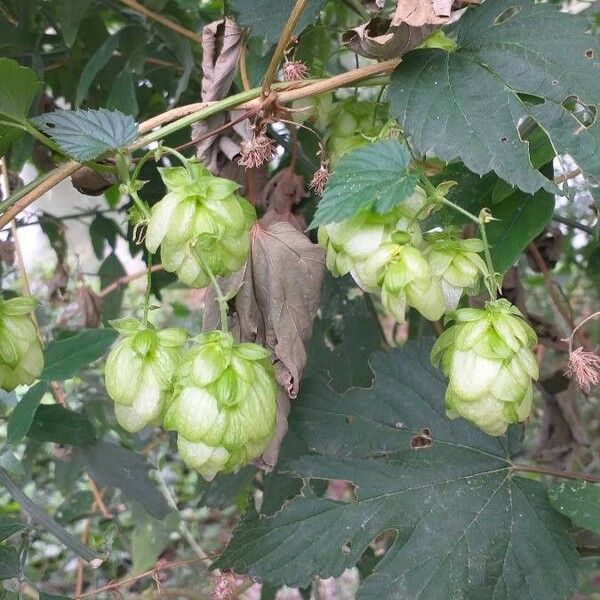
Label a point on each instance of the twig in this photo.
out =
(556, 473)
(282, 44)
(196, 37)
(185, 116)
(573, 224)
(243, 64)
(35, 512)
(125, 279)
(567, 176)
(161, 566)
(85, 536)
(58, 393)
(556, 301)
(98, 499)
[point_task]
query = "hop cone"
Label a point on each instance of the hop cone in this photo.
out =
(350, 125)
(350, 243)
(488, 359)
(456, 264)
(225, 404)
(200, 222)
(21, 359)
(408, 281)
(139, 372)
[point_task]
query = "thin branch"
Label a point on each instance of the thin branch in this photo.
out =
(161, 566)
(284, 40)
(573, 224)
(99, 502)
(125, 279)
(185, 116)
(243, 63)
(556, 473)
(192, 35)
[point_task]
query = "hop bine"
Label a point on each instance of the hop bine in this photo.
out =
(139, 371)
(488, 359)
(21, 358)
(225, 404)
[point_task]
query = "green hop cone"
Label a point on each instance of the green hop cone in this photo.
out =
(457, 265)
(21, 358)
(488, 359)
(351, 124)
(139, 371)
(350, 243)
(225, 404)
(200, 223)
(407, 281)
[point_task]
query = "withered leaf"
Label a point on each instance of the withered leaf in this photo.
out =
(283, 192)
(91, 183)
(221, 43)
(85, 312)
(7, 252)
(411, 23)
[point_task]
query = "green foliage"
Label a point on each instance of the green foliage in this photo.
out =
(9, 562)
(54, 423)
(9, 527)
(22, 416)
(114, 466)
(373, 177)
(16, 98)
(265, 21)
(454, 501)
(87, 134)
(578, 500)
(503, 71)
(65, 358)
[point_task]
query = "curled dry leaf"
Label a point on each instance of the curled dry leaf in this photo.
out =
(85, 312)
(283, 192)
(7, 252)
(221, 44)
(57, 286)
(411, 23)
(89, 182)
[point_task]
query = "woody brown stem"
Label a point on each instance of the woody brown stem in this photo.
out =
(282, 44)
(556, 473)
(125, 279)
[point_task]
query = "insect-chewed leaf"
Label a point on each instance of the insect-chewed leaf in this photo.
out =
(374, 177)
(86, 134)
(468, 104)
(465, 525)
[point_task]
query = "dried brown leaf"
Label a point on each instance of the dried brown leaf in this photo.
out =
(57, 286)
(7, 252)
(283, 192)
(411, 23)
(91, 183)
(84, 312)
(221, 44)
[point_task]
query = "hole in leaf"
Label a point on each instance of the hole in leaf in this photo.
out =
(585, 114)
(507, 14)
(504, 139)
(341, 491)
(349, 419)
(589, 54)
(530, 99)
(347, 547)
(555, 82)
(421, 440)
(383, 542)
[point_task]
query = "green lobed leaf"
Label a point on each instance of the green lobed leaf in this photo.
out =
(22, 416)
(55, 423)
(373, 177)
(578, 500)
(266, 19)
(16, 97)
(468, 104)
(75, 506)
(113, 466)
(87, 134)
(345, 333)
(465, 524)
(149, 537)
(9, 527)
(9, 562)
(65, 358)
(110, 270)
(103, 231)
(521, 218)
